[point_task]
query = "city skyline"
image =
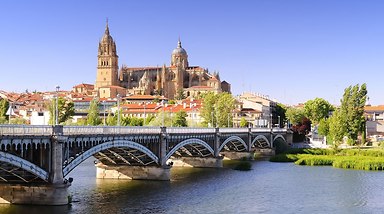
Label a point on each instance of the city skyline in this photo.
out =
(291, 51)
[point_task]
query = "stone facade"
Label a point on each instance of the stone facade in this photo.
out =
(164, 80)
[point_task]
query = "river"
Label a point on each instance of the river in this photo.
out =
(267, 188)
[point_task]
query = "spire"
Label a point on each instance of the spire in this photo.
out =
(107, 28)
(179, 43)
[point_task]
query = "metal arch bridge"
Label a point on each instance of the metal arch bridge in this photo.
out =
(46, 154)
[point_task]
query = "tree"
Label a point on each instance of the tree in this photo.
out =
(352, 110)
(243, 122)
(280, 110)
(217, 109)
(337, 128)
(66, 110)
(111, 119)
(207, 111)
(93, 117)
(317, 109)
(295, 115)
(162, 118)
(224, 106)
(180, 94)
(323, 127)
(4, 105)
(180, 119)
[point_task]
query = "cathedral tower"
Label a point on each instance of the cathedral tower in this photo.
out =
(107, 61)
(179, 56)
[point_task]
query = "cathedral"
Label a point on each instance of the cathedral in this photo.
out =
(165, 80)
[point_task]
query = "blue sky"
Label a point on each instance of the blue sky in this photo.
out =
(291, 50)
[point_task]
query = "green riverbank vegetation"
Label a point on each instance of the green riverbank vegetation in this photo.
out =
(362, 159)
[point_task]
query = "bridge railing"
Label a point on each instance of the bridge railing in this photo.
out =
(25, 130)
(182, 130)
(233, 130)
(86, 130)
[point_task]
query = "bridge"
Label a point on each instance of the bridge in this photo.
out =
(35, 160)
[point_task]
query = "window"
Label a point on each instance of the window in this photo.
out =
(40, 114)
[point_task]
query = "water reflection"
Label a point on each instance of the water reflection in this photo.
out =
(267, 188)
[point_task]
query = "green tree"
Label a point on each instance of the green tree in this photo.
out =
(280, 110)
(323, 127)
(295, 115)
(180, 119)
(352, 109)
(217, 109)
(207, 111)
(19, 121)
(111, 119)
(4, 105)
(93, 117)
(66, 110)
(243, 122)
(224, 106)
(135, 121)
(317, 109)
(337, 128)
(162, 118)
(180, 94)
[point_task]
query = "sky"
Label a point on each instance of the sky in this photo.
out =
(290, 50)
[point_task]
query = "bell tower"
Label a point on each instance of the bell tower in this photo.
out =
(107, 61)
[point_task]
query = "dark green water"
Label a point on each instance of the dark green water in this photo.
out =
(267, 188)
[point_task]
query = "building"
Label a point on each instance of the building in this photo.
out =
(375, 119)
(259, 110)
(164, 80)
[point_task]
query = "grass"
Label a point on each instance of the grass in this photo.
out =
(362, 159)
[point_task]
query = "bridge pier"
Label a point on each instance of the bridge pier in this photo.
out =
(133, 172)
(46, 194)
(207, 162)
(268, 152)
(237, 155)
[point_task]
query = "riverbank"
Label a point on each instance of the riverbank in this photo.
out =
(362, 159)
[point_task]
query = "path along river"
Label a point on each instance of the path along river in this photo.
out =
(267, 188)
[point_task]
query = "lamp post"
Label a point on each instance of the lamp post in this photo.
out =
(145, 116)
(104, 112)
(270, 123)
(228, 120)
(57, 106)
(163, 106)
(279, 120)
(118, 109)
(212, 118)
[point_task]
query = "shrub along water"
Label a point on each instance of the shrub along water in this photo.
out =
(364, 159)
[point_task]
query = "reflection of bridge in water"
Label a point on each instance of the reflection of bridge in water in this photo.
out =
(34, 160)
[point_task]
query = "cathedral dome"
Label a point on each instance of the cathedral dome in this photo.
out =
(179, 50)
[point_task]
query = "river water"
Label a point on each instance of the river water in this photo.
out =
(267, 188)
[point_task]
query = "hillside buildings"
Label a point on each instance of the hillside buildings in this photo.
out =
(164, 80)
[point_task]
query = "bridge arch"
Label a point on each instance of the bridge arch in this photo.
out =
(187, 142)
(232, 138)
(260, 137)
(24, 164)
(279, 136)
(107, 145)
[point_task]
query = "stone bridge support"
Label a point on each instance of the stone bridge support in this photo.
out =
(160, 172)
(54, 192)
